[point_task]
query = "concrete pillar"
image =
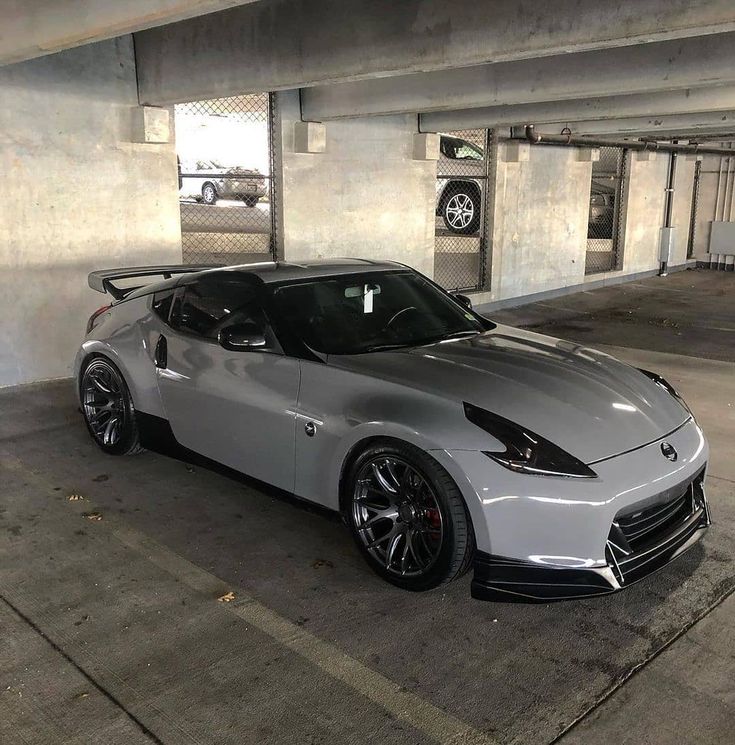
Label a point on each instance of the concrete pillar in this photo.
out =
(364, 196)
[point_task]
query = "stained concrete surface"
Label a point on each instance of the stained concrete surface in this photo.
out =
(135, 622)
(688, 313)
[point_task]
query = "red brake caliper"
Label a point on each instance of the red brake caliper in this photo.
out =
(434, 518)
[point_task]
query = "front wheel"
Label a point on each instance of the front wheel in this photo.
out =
(108, 408)
(251, 201)
(408, 517)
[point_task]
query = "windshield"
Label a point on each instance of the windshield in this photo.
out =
(372, 312)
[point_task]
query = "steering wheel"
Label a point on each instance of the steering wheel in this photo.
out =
(397, 315)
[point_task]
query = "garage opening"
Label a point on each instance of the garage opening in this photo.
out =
(460, 242)
(604, 222)
(225, 158)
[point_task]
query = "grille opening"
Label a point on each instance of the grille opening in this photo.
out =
(639, 540)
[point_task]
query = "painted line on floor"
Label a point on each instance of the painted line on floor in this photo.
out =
(410, 708)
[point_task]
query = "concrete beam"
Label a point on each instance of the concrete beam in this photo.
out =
(693, 100)
(296, 43)
(33, 29)
(720, 121)
(646, 68)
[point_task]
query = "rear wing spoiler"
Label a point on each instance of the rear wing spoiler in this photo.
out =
(103, 280)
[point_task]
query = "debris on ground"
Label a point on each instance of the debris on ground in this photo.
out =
(323, 563)
(94, 516)
(75, 497)
(228, 597)
(101, 477)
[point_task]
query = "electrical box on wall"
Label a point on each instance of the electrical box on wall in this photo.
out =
(668, 236)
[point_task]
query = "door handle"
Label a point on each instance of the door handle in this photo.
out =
(160, 356)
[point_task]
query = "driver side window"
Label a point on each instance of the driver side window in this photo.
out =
(212, 304)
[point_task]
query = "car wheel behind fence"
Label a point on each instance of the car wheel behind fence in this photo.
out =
(209, 194)
(461, 209)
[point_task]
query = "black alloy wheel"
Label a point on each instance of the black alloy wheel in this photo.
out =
(108, 408)
(408, 517)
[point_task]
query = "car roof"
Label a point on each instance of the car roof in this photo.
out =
(274, 271)
(279, 271)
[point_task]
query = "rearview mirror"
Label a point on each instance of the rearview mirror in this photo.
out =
(242, 337)
(463, 300)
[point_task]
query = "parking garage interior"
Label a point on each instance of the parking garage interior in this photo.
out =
(569, 167)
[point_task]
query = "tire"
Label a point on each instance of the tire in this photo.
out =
(420, 535)
(461, 208)
(251, 201)
(209, 194)
(107, 407)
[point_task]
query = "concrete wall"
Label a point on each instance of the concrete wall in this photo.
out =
(539, 237)
(682, 208)
(716, 200)
(75, 195)
(364, 197)
(644, 211)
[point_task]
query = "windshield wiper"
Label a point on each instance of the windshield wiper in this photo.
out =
(459, 335)
(386, 347)
(421, 342)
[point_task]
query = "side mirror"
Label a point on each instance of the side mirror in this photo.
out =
(463, 300)
(242, 337)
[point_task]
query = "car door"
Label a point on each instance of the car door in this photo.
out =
(234, 406)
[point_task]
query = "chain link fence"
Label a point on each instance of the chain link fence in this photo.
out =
(226, 195)
(461, 200)
(604, 223)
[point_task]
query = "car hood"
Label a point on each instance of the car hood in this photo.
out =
(584, 401)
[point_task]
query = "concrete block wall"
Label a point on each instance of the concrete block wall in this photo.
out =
(76, 194)
(682, 209)
(364, 196)
(644, 204)
(539, 228)
(540, 213)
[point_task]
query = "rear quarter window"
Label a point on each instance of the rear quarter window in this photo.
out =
(161, 304)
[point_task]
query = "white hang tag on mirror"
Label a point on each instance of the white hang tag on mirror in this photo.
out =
(367, 300)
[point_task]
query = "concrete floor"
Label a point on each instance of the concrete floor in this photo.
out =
(112, 631)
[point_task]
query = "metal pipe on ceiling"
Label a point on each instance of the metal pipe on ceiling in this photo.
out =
(535, 138)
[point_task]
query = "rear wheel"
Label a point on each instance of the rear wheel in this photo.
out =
(408, 517)
(209, 194)
(108, 408)
(250, 201)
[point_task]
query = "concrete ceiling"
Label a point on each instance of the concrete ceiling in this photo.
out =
(596, 65)
(707, 101)
(33, 28)
(299, 43)
(644, 68)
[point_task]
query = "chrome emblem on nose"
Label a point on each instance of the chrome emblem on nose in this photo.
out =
(669, 451)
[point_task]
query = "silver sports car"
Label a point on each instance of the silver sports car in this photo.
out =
(445, 440)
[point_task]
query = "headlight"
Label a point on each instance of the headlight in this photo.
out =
(663, 383)
(525, 451)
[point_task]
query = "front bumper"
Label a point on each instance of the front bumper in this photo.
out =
(639, 543)
(544, 538)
